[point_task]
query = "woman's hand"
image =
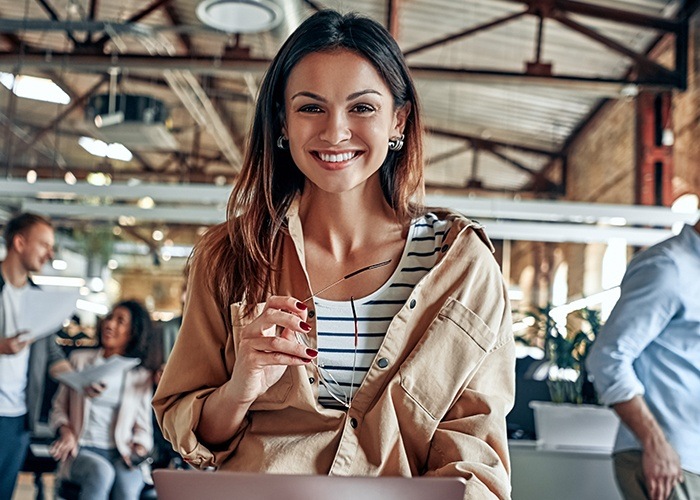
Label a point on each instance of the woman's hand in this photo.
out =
(65, 446)
(95, 389)
(264, 354)
(138, 451)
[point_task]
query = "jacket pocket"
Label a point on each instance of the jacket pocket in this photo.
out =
(276, 395)
(446, 358)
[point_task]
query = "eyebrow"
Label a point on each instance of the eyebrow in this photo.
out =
(317, 97)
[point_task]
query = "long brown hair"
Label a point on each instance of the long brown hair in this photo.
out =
(238, 256)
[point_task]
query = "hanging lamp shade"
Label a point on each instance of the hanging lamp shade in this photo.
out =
(240, 16)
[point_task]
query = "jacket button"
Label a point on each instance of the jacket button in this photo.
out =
(412, 304)
(353, 423)
(383, 362)
(444, 248)
(311, 313)
(312, 380)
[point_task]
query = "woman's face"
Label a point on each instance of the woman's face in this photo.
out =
(339, 117)
(116, 330)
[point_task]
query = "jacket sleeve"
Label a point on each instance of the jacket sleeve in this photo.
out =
(471, 439)
(200, 363)
(143, 425)
(60, 406)
(58, 415)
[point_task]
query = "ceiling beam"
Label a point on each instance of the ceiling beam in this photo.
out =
(157, 4)
(99, 63)
(92, 14)
(600, 12)
(53, 15)
(481, 142)
(464, 34)
(314, 5)
(646, 66)
(176, 20)
(75, 103)
(392, 17)
(434, 160)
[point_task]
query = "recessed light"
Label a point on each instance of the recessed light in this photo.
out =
(240, 16)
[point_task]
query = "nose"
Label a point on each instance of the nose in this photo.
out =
(336, 128)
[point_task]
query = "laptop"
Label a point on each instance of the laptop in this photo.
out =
(193, 484)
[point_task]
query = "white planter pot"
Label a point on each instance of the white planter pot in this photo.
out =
(570, 426)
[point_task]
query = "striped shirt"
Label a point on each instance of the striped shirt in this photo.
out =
(335, 324)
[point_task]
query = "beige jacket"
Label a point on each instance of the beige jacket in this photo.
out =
(134, 421)
(437, 408)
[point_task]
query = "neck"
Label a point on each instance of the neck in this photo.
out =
(13, 271)
(111, 352)
(347, 222)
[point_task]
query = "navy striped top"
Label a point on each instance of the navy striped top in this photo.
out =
(335, 325)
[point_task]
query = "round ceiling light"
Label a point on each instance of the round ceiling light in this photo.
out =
(240, 16)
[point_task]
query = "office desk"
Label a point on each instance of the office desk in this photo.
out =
(540, 474)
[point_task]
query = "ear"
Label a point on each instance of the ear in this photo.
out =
(18, 242)
(400, 117)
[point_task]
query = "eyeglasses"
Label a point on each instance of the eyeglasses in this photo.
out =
(325, 377)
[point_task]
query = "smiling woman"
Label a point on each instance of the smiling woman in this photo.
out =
(405, 370)
(339, 117)
(102, 428)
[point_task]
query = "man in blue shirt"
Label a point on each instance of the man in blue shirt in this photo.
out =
(646, 365)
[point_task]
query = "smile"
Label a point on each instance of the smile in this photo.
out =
(336, 157)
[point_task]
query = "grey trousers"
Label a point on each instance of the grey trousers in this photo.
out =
(630, 479)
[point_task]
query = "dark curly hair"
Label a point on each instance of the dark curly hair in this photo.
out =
(141, 328)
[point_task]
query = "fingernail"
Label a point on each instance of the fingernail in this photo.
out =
(312, 352)
(305, 326)
(306, 360)
(302, 306)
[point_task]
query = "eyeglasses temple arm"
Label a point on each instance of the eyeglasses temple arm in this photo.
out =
(347, 276)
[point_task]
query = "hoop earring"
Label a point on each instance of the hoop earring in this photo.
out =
(282, 142)
(396, 143)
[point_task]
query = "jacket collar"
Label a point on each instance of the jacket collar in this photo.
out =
(29, 279)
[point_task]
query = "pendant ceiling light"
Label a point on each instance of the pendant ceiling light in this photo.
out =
(240, 16)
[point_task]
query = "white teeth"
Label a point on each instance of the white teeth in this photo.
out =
(336, 158)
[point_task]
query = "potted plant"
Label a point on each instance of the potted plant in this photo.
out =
(567, 350)
(573, 419)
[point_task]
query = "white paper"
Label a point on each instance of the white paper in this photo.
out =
(94, 373)
(43, 312)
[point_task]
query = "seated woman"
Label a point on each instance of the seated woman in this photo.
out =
(334, 325)
(102, 434)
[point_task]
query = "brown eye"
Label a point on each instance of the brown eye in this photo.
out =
(364, 108)
(310, 108)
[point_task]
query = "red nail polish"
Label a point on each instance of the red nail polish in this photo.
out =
(302, 306)
(305, 326)
(312, 352)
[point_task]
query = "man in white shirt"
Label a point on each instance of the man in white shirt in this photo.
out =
(29, 239)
